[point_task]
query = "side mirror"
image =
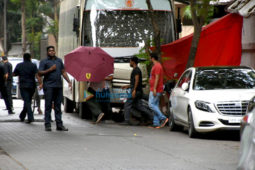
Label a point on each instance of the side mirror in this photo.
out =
(185, 86)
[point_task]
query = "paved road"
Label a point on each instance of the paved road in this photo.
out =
(109, 146)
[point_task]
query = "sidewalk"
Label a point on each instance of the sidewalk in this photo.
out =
(18, 106)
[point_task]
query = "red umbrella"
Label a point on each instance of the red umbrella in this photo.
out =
(89, 64)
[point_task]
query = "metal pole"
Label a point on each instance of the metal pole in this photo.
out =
(5, 27)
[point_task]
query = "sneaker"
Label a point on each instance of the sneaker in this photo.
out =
(163, 123)
(100, 116)
(47, 128)
(62, 128)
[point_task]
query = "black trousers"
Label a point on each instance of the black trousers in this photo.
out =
(27, 94)
(9, 92)
(4, 95)
(53, 95)
(137, 104)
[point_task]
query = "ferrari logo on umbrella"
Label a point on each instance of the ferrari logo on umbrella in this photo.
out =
(88, 75)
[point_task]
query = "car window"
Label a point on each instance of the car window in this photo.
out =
(225, 78)
(184, 79)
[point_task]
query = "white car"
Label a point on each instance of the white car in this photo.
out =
(206, 99)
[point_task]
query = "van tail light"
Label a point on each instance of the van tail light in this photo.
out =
(245, 119)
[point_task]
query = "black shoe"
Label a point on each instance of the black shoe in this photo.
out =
(11, 112)
(21, 118)
(47, 128)
(126, 122)
(29, 121)
(62, 128)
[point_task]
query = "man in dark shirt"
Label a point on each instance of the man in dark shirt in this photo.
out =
(136, 91)
(3, 90)
(8, 84)
(27, 71)
(52, 68)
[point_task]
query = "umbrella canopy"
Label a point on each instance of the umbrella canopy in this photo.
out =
(89, 64)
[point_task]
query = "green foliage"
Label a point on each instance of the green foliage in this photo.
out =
(35, 38)
(202, 8)
(35, 9)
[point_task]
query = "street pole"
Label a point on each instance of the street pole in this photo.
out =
(5, 27)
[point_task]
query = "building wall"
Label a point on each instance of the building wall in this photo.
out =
(248, 42)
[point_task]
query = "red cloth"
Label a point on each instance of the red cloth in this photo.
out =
(219, 45)
(156, 70)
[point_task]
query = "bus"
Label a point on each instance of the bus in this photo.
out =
(119, 27)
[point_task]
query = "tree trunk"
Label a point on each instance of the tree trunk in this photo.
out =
(194, 45)
(56, 3)
(156, 31)
(23, 26)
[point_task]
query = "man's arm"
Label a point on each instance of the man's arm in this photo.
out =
(67, 78)
(135, 86)
(52, 68)
(6, 76)
(155, 85)
(39, 80)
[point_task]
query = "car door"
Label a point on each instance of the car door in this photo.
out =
(180, 97)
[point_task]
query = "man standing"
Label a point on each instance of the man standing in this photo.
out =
(3, 78)
(52, 68)
(8, 84)
(136, 91)
(27, 71)
(156, 88)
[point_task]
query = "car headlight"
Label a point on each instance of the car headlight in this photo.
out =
(205, 106)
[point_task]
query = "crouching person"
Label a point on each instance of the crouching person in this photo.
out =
(135, 101)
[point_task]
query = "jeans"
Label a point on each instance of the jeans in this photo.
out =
(53, 95)
(154, 105)
(27, 94)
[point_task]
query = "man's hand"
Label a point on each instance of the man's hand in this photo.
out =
(133, 94)
(54, 67)
(125, 87)
(70, 86)
(154, 92)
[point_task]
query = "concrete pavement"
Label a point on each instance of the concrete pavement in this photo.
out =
(107, 146)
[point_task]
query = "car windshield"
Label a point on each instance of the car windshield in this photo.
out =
(225, 78)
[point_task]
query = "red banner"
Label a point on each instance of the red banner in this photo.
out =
(219, 45)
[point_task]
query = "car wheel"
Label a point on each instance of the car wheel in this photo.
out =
(172, 125)
(191, 129)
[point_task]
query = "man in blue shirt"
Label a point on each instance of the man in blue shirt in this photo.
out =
(27, 71)
(52, 68)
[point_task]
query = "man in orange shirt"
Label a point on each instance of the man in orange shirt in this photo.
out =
(156, 89)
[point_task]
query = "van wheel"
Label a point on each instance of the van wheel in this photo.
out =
(68, 105)
(191, 129)
(172, 125)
